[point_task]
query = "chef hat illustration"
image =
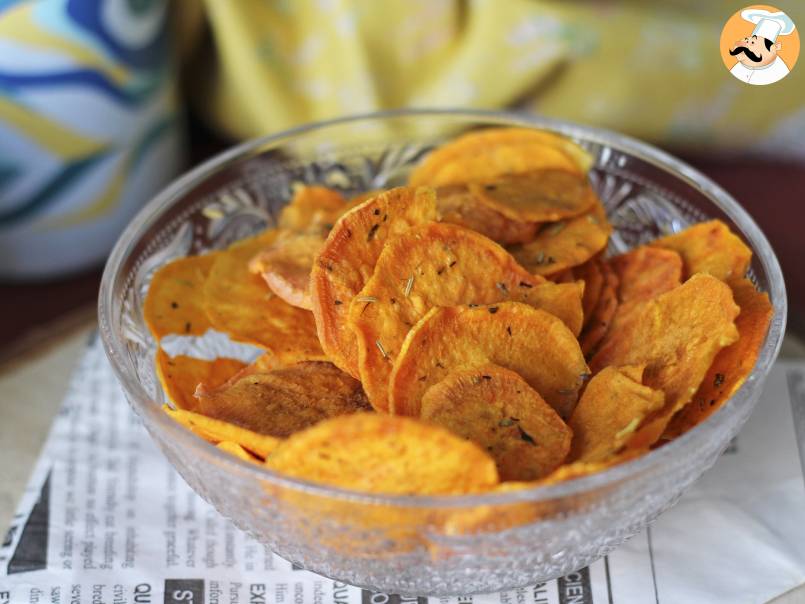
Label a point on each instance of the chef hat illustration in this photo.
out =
(767, 24)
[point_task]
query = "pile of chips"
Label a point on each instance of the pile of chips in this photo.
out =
(465, 333)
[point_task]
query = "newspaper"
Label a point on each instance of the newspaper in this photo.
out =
(106, 519)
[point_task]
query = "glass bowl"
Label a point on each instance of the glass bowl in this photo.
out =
(409, 544)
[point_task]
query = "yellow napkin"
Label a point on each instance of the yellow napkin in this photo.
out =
(649, 69)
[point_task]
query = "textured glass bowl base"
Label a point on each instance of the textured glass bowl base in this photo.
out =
(416, 545)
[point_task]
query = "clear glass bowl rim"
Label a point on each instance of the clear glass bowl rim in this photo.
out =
(169, 429)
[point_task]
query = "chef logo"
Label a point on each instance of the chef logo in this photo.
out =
(759, 45)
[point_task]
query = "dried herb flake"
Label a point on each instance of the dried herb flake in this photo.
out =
(408, 286)
(525, 436)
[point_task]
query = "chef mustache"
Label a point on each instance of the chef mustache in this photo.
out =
(743, 49)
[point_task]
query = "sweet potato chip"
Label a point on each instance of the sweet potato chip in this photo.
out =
(580, 469)
(563, 276)
(235, 449)
(562, 300)
(603, 313)
(174, 304)
(437, 264)
(180, 375)
(566, 243)
(485, 154)
(269, 362)
(286, 266)
(593, 276)
(539, 196)
(676, 336)
(709, 247)
(490, 163)
(516, 336)
(457, 205)
(240, 304)
(217, 431)
(378, 453)
(286, 400)
(732, 364)
(354, 202)
(492, 518)
(347, 260)
(613, 405)
(645, 273)
(498, 517)
(498, 411)
(313, 209)
(641, 274)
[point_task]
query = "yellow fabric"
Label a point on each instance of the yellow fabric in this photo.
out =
(649, 69)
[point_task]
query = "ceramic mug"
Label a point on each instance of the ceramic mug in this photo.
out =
(88, 127)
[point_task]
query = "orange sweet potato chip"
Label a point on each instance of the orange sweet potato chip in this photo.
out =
(563, 276)
(516, 336)
(540, 195)
(603, 313)
(709, 247)
(490, 163)
(676, 336)
(566, 243)
(492, 518)
(496, 518)
(733, 364)
(240, 304)
(613, 405)
(269, 362)
(286, 400)
(485, 154)
(312, 209)
(646, 272)
(362, 197)
(580, 469)
(378, 453)
(286, 266)
(235, 449)
(347, 260)
(217, 431)
(174, 301)
(562, 300)
(498, 411)
(593, 276)
(640, 274)
(180, 375)
(437, 264)
(457, 205)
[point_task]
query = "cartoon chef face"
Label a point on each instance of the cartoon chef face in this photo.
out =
(755, 51)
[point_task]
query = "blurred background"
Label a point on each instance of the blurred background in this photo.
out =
(103, 102)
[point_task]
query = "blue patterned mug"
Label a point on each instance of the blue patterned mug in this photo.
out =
(88, 127)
